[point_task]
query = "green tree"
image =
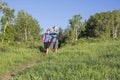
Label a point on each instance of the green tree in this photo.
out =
(116, 24)
(104, 25)
(82, 29)
(2, 5)
(26, 27)
(9, 33)
(61, 30)
(6, 20)
(75, 25)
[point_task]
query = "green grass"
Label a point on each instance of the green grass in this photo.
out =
(98, 60)
(12, 57)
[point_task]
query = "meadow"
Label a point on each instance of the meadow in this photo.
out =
(83, 60)
(15, 55)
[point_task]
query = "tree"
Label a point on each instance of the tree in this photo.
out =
(9, 33)
(6, 20)
(26, 27)
(60, 30)
(104, 25)
(116, 24)
(75, 25)
(67, 33)
(82, 29)
(2, 5)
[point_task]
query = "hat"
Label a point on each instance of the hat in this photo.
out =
(48, 29)
(55, 27)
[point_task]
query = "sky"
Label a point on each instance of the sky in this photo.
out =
(51, 13)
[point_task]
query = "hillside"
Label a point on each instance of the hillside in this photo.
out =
(98, 60)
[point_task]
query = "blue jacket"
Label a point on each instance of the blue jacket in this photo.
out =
(54, 36)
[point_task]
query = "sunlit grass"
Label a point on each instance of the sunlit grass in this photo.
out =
(83, 61)
(12, 57)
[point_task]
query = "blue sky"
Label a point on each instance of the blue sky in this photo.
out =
(58, 12)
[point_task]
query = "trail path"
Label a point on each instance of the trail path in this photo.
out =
(9, 75)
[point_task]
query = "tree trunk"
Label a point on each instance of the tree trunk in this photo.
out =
(4, 30)
(114, 32)
(76, 34)
(25, 34)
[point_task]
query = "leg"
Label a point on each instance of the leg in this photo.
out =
(45, 47)
(52, 46)
(47, 51)
(56, 46)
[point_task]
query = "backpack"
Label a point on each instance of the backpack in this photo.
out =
(60, 37)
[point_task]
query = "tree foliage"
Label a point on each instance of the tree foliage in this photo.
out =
(104, 25)
(72, 32)
(26, 27)
(7, 30)
(22, 28)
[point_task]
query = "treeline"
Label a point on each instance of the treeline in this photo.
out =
(103, 25)
(24, 27)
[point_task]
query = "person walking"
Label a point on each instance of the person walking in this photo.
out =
(46, 40)
(54, 40)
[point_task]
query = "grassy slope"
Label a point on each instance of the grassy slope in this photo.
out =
(85, 61)
(12, 57)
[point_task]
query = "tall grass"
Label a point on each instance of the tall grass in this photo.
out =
(15, 56)
(98, 60)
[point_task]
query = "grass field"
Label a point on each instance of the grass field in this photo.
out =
(12, 57)
(99, 60)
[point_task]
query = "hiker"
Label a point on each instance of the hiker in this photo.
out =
(46, 40)
(54, 39)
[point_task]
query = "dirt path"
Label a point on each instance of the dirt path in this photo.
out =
(20, 69)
